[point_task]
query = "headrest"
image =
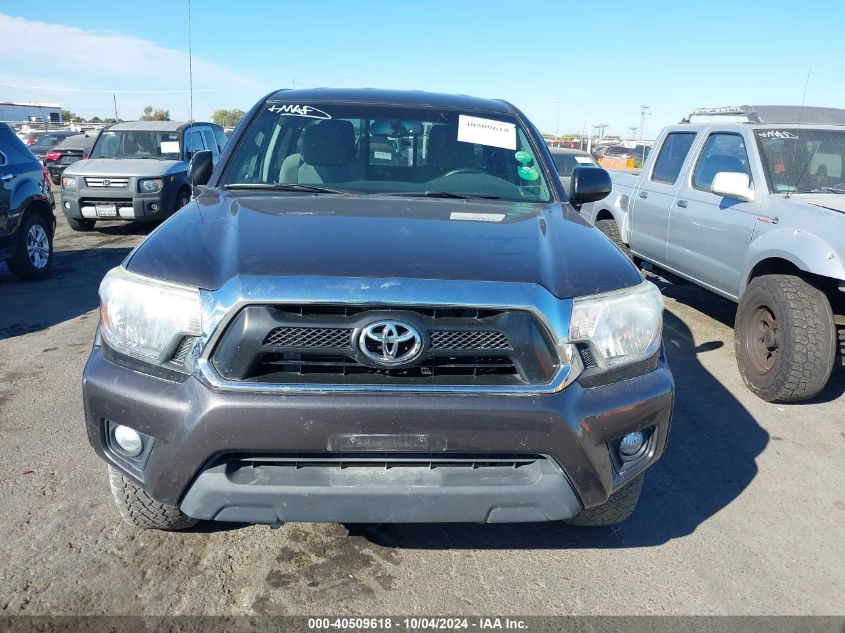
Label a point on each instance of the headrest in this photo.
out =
(446, 151)
(328, 143)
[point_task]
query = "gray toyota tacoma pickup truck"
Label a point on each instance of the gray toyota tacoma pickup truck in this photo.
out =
(755, 212)
(380, 307)
(137, 170)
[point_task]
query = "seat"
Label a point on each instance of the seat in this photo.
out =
(328, 155)
(446, 152)
(714, 164)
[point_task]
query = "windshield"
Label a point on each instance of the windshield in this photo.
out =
(137, 144)
(387, 150)
(803, 160)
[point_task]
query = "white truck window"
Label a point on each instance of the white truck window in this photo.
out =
(672, 155)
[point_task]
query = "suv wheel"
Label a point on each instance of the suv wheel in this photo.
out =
(182, 199)
(34, 255)
(611, 230)
(619, 506)
(140, 510)
(784, 338)
(81, 224)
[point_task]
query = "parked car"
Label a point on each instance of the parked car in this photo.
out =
(70, 150)
(567, 160)
(27, 219)
(321, 338)
(137, 170)
(31, 137)
(754, 212)
(613, 151)
(48, 141)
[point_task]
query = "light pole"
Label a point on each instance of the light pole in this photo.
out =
(633, 131)
(644, 112)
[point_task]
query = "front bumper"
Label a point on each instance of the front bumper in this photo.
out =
(131, 205)
(195, 428)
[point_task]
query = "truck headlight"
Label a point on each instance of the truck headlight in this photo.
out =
(69, 183)
(621, 327)
(145, 318)
(150, 185)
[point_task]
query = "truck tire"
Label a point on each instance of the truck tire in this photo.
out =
(784, 338)
(140, 510)
(81, 224)
(34, 254)
(611, 230)
(619, 506)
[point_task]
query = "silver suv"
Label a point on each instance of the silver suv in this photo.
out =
(137, 170)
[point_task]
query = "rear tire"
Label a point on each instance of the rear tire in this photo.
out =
(619, 506)
(784, 338)
(34, 254)
(140, 510)
(611, 230)
(81, 224)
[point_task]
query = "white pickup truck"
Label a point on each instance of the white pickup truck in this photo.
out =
(753, 211)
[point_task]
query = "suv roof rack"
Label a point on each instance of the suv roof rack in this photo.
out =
(775, 114)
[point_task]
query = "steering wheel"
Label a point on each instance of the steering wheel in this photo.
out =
(462, 170)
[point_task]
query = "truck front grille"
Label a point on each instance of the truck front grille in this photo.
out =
(114, 183)
(284, 344)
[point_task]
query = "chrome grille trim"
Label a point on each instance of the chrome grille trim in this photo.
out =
(220, 306)
(113, 183)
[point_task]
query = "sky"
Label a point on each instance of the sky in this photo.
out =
(567, 65)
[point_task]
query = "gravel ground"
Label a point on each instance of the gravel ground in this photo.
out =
(745, 514)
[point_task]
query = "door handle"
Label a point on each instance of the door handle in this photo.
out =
(682, 204)
(643, 194)
(7, 177)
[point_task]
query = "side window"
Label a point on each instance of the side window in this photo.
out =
(210, 142)
(193, 143)
(672, 155)
(721, 152)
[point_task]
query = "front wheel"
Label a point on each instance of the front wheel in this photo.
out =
(611, 229)
(140, 510)
(618, 507)
(34, 255)
(182, 199)
(784, 338)
(81, 224)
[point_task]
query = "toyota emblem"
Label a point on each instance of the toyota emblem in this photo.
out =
(390, 343)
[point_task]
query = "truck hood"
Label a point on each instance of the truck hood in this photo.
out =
(832, 201)
(125, 167)
(224, 234)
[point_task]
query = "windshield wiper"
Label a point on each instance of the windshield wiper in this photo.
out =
(439, 194)
(828, 190)
(290, 186)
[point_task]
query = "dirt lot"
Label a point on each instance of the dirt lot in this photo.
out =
(744, 515)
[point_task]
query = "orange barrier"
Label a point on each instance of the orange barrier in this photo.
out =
(616, 162)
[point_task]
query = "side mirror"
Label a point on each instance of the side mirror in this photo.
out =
(588, 184)
(733, 184)
(200, 168)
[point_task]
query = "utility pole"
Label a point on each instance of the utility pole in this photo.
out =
(114, 98)
(601, 127)
(633, 131)
(644, 112)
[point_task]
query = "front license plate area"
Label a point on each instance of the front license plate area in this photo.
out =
(106, 210)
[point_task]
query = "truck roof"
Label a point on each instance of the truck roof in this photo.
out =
(765, 114)
(392, 97)
(158, 126)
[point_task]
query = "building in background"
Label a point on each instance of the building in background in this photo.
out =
(37, 115)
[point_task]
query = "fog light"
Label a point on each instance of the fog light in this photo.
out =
(128, 440)
(154, 207)
(67, 205)
(631, 444)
